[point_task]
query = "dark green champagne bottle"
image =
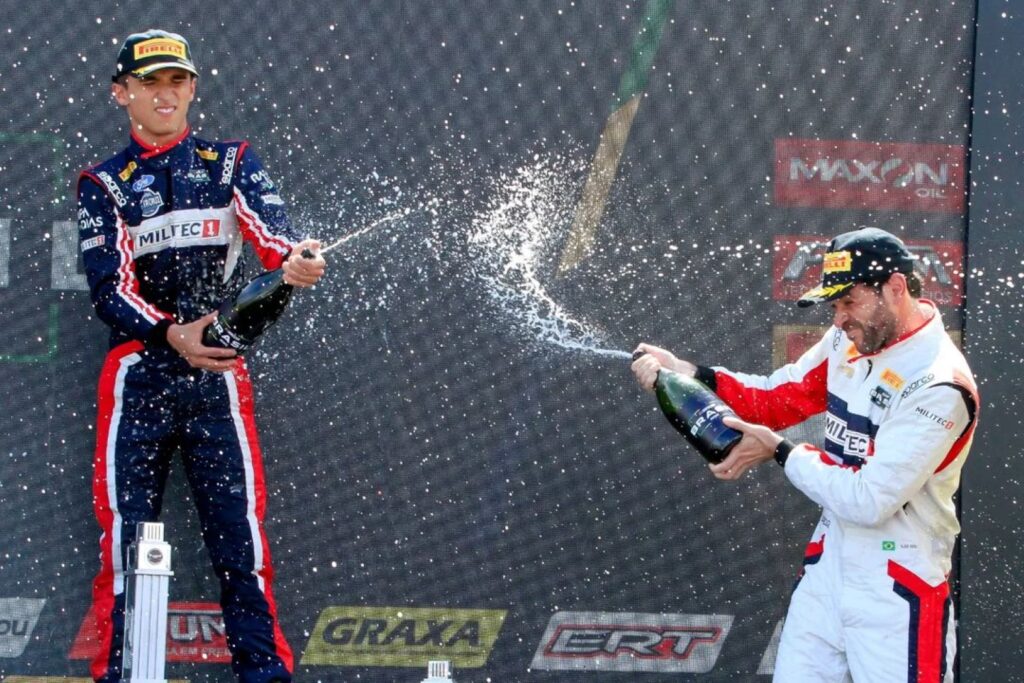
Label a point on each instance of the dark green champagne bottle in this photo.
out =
(696, 412)
(257, 306)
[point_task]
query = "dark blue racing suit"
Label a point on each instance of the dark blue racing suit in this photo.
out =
(161, 234)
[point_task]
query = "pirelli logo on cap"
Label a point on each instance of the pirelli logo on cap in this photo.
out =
(837, 262)
(160, 46)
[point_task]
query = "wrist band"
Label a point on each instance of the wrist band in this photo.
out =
(782, 451)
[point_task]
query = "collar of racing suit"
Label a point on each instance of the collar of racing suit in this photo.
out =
(147, 152)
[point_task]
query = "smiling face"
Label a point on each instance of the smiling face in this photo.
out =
(868, 316)
(157, 103)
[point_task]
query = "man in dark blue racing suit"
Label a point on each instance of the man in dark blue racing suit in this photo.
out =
(162, 225)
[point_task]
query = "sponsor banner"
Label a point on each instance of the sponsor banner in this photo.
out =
(767, 665)
(629, 641)
(789, 342)
(403, 636)
(195, 633)
(797, 264)
(850, 174)
(18, 618)
(64, 679)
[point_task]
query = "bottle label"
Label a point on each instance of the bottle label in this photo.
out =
(706, 417)
(224, 336)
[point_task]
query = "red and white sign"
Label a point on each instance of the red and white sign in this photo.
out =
(789, 342)
(195, 633)
(850, 174)
(629, 641)
(797, 264)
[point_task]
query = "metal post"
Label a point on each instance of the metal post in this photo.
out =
(438, 671)
(145, 619)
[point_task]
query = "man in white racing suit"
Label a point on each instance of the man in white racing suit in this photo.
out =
(872, 602)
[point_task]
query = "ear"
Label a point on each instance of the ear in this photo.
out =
(897, 285)
(120, 94)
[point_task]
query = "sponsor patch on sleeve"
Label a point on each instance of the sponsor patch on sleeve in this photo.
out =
(96, 241)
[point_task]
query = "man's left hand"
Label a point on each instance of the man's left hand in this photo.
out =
(758, 444)
(301, 271)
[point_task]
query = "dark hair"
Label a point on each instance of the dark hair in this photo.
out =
(122, 80)
(914, 286)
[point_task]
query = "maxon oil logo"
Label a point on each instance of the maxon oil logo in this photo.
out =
(628, 641)
(798, 262)
(195, 633)
(403, 636)
(851, 174)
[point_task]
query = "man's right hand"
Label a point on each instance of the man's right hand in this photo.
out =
(655, 358)
(187, 340)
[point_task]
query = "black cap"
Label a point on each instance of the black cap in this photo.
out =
(152, 50)
(866, 255)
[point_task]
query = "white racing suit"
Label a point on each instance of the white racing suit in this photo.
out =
(872, 602)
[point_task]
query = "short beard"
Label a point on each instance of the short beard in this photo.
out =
(879, 335)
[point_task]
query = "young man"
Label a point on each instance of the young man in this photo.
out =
(162, 226)
(901, 408)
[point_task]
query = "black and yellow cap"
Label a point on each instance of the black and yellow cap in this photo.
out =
(865, 255)
(152, 50)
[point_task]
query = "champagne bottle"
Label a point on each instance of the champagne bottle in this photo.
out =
(244, 317)
(696, 412)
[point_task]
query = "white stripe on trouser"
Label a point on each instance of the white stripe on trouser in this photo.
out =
(250, 479)
(111, 466)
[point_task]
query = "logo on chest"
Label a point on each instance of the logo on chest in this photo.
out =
(142, 183)
(880, 397)
(150, 203)
(185, 229)
(851, 441)
(198, 175)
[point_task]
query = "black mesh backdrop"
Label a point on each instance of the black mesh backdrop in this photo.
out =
(425, 447)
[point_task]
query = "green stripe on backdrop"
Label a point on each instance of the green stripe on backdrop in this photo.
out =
(603, 168)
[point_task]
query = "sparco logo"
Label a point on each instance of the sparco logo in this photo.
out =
(797, 266)
(229, 165)
(18, 617)
(626, 641)
(402, 636)
(113, 188)
(869, 175)
(917, 384)
(195, 633)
